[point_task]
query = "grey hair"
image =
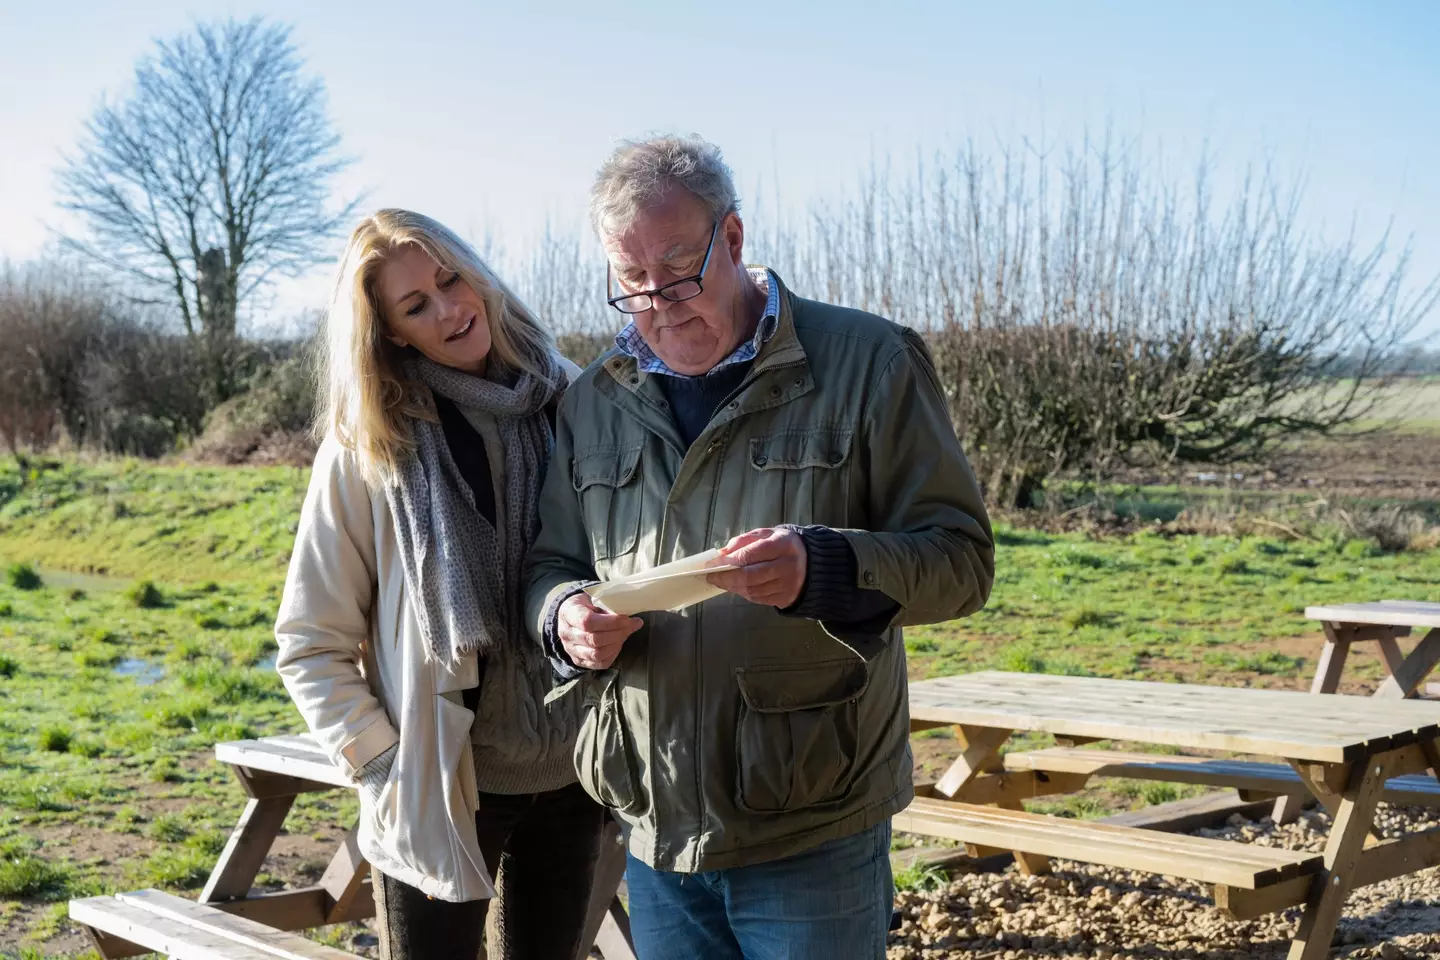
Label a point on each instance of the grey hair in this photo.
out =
(640, 172)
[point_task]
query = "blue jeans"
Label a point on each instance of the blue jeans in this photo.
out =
(831, 902)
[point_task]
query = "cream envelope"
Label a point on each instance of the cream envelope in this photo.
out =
(670, 586)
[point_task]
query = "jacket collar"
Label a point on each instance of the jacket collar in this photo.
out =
(782, 349)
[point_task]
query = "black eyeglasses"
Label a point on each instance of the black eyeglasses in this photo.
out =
(676, 292)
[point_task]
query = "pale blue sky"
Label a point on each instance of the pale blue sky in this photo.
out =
(494, 116)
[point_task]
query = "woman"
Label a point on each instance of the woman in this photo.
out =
(401, 637)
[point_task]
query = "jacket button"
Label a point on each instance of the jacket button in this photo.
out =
(799, 381)
(734, 404)
(869, 576)
(761, 460)
(774, 391)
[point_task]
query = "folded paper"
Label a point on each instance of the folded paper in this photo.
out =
(671, 586)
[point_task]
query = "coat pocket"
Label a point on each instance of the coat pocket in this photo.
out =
(796, 736)
(607, 481)
(800, 476)
(604, 753)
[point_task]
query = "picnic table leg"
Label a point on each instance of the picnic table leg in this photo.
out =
(1403, 682)
(608, 926)
(1355, 812)
(344, 878)
(980, 747)
(1030, 864)
(247, 848)
(1327, 680)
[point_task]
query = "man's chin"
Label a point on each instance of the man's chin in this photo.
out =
(687, 363)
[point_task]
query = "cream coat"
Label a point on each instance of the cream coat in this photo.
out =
(352, 658)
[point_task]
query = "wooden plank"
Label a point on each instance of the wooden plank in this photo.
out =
(609, 870)
(1391, 653)
(613, 939)
(158, 934)
(1171, 768)
(954, 812)
(1417, 666)
(979, 745)
(1356, 810)
(344, 876)
(263, 785)
(1196, 858)
(1385, 861)
(1239, 904)
(293, 756)
(298, 909)
(1029, 864)
(111, 947)
(1014, 786)
(248, 933)
(1191, 813)
(247, 848)
(1406, 613)
(1240, 720)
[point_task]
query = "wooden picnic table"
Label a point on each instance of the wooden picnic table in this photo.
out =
(274, 772)
(1383, 623)
(1349, 753)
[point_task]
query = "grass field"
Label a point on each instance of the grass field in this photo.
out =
(147, 636)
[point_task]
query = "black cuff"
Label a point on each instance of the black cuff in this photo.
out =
(560, 662)
(830, 572)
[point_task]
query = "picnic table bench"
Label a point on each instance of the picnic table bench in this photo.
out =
(1383, 623)
(1350, 755)
(274, 772)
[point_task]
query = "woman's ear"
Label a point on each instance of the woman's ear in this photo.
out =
(398, 341)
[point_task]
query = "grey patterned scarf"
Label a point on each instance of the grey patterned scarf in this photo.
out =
(467, 595)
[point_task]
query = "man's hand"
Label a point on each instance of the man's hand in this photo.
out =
(591, 636)
(773, 562)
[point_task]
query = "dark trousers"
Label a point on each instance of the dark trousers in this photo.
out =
(541, 850)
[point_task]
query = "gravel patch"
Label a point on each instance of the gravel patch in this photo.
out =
(1099, 913)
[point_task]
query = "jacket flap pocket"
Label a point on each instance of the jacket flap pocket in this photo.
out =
(818, 447)
(607, 466)
(778, 689)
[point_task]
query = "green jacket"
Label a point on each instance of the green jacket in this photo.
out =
(728, 734)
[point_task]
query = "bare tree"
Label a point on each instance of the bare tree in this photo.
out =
(1086, 313)
(211, 179)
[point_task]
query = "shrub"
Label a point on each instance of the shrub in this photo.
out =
(168, 828)
(55, 740)
(1021, 658)
(26, 875)
(8, 666)
(22, 576)
(920, 878)
(144, 594)
(183, 868)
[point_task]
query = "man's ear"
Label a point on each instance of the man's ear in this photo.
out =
(733, 229)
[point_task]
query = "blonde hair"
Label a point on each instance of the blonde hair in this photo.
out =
(362, 399)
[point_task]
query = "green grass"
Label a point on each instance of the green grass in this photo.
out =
(138, 693)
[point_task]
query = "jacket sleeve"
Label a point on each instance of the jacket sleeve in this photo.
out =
(560, 560)
(324, 616)
(929, 547)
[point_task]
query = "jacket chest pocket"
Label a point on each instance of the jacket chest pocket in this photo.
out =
(796, 737)
(607, 481)
(801, 477)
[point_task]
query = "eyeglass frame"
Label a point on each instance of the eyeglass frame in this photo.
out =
(660, 290)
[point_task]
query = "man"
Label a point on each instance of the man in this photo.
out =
(754, 746)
